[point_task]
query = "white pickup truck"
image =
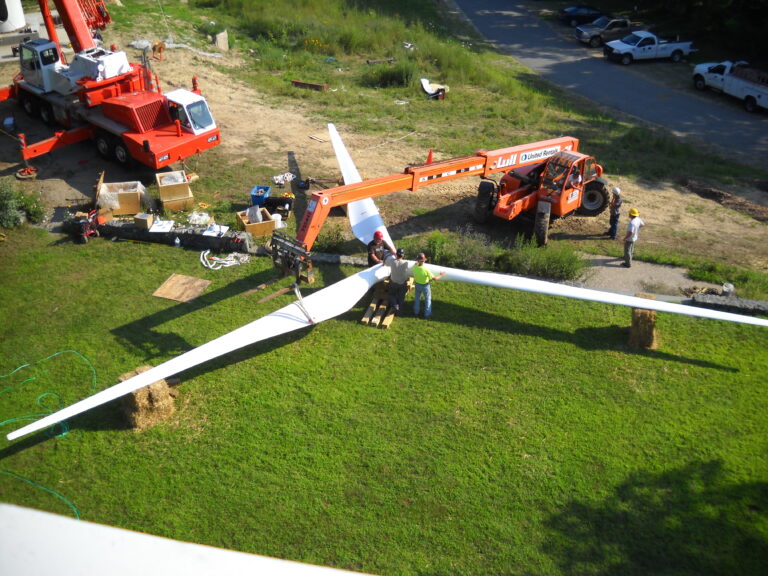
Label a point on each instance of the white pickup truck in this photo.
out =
(644, 45)
(736, 79)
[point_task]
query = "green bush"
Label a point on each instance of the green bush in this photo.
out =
(331, 240)
(464, 248)
(31, 206)
(552, 262)
(15, 205)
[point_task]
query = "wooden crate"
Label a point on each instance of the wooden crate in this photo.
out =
(174, 190)
(256, 229)
(121, 198)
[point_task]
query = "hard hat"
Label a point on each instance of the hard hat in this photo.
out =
(400, 253)
(634, 212)
(378, 235)
(617, 191)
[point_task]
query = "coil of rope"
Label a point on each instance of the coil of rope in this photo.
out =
(217, 263)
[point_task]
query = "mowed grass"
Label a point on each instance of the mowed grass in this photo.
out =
(513, 434)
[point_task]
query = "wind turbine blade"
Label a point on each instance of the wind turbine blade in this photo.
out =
(363, 214)
(554, 289)
(322, 305)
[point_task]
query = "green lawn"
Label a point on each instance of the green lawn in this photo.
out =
(514, 433)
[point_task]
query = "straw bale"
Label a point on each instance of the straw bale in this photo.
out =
(149, 405)
(642, 333)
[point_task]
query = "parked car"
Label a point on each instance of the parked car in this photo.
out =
(644, 45)
(579, 14)
(603, 30)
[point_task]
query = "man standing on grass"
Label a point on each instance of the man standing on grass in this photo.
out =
(422, 276)
(398, 279)
(635, 223)
(615, 213)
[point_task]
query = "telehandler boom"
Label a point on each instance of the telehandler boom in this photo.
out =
(547, 179)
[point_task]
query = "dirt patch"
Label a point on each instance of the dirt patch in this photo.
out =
(727, 199)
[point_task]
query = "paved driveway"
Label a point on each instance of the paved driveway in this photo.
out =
(514, 29)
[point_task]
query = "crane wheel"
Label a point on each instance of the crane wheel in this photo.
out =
(486, 200)
(104, 144)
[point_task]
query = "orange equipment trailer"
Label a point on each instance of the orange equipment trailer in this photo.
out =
(100, 96)
(547, 179)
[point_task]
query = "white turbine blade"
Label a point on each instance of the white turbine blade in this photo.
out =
(321, 305)
(363, 214)
(554, 289)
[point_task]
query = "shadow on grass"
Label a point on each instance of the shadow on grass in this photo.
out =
(690, 520)
(593, 339)
(141, 335)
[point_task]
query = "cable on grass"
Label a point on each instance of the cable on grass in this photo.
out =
(58, 430)
(36, 485)
(61, 428)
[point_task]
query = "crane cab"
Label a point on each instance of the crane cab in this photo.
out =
(44, 70)
(191, 110)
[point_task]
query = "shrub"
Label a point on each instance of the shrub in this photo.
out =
(331, 240)
(15, 205)
(464, 248)
(553, 262)
(32, 207)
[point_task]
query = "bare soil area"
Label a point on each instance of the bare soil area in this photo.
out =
(694, 218)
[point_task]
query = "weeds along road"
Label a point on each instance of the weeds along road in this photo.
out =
(515, 29)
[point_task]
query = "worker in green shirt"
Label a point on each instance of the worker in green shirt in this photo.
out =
(422, 276)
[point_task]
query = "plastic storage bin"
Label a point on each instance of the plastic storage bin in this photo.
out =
(259, 194)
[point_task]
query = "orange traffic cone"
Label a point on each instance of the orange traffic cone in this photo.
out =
(429, 157)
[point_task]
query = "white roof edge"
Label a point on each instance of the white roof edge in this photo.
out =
(36, 543)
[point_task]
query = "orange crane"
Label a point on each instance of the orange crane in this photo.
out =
(549, 178)
(101, 96)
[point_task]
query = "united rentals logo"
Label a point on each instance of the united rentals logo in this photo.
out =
(541, 154)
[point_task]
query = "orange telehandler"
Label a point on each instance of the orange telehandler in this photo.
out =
(546, 179)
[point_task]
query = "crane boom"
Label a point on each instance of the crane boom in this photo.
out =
(483, 163)
(78, 17)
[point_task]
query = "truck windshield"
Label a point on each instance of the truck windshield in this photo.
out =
(200, 115)
(631, 39)
(601, 22)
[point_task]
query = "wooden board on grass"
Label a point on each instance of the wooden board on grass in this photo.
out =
(181, 288)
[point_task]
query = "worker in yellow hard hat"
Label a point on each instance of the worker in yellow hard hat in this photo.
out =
(635, 223)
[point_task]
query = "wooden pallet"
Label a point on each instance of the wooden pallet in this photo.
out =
(378, 313)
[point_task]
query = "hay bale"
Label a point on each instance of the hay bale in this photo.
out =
(150, 405)
(642, 333)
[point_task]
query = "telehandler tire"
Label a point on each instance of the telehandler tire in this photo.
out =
(486, 194)
(595, 199)
(541, 224)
